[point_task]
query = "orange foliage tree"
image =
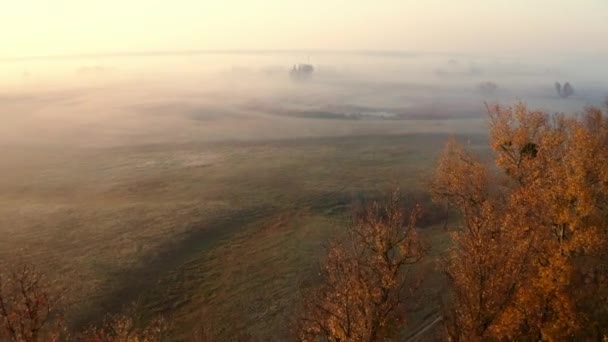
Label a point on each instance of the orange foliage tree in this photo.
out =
(28, 310)
(122, 328)
(365, 278)
(529, 258)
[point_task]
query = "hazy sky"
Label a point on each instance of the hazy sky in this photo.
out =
(45, 27)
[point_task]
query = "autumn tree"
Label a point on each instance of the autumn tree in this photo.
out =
(558, 164)
(483, 275)
(122, 328)
(28, 309)
(528, 259)
(366, 282)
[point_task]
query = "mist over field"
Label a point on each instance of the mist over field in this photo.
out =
(116, 100)
(276, 170)
(181, 181)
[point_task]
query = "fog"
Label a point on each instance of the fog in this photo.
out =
(118, 171)
(112, 100)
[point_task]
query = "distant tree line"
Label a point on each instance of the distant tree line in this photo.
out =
(564, 91)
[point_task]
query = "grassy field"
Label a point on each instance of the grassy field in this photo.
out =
(201, 232)
(203, 188)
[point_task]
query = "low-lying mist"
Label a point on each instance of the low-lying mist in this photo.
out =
(143, 99)
(178, 182)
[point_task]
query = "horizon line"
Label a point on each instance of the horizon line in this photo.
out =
(397, 53)
(155, 53)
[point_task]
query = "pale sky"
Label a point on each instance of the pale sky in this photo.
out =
(64, 27)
